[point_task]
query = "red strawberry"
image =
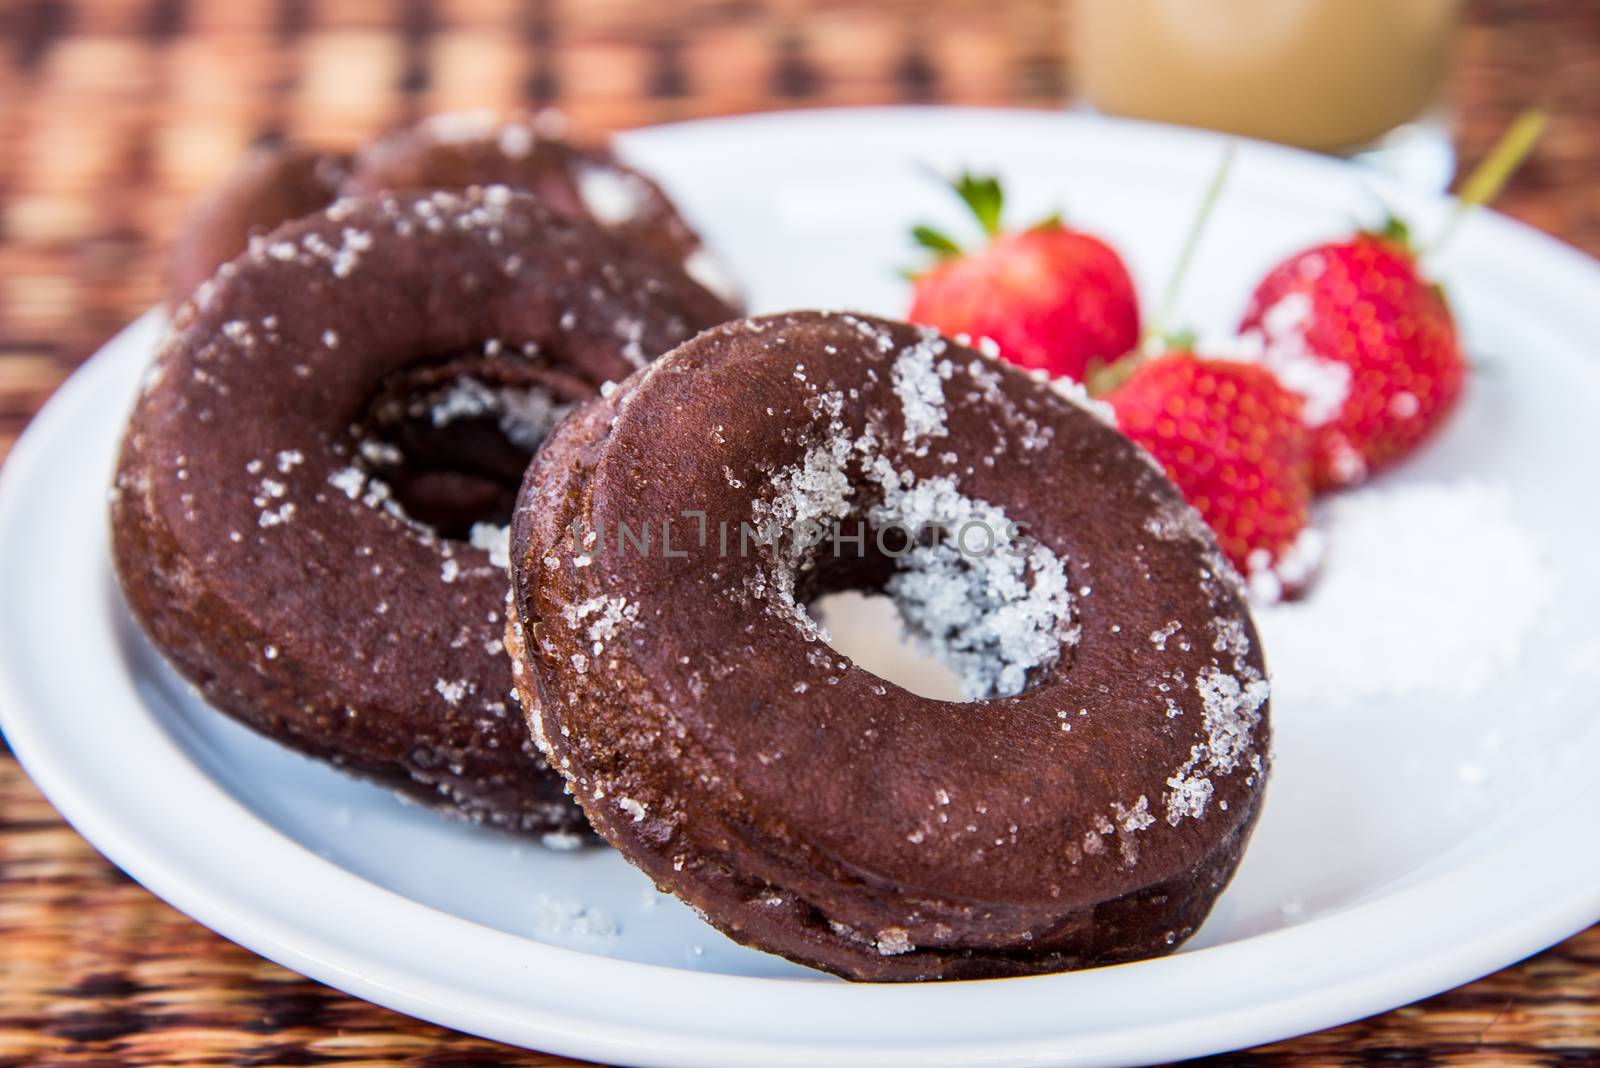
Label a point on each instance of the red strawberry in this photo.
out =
(1234, 441)
(1051, 298)
(1369, 342)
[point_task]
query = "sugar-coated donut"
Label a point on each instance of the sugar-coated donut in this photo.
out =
(1086, 807)
(260, 530)
(531, 151)
(277, 183)
(270, 186)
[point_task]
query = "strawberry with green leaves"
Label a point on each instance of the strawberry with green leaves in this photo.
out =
(1052, 298)
(1358, 329)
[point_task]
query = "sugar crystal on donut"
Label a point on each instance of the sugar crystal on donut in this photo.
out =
(919, 382)
(994, 617)
(997, 619)
(494, 539)
(612, 197)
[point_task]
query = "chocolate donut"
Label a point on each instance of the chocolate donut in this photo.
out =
(261, 543)
(1085, 807)
(453, 151)
(273, 184)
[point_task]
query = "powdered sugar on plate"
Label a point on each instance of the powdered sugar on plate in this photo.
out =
(1426, 589)
(566, 920)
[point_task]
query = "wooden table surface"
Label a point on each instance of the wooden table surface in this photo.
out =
(114, 113)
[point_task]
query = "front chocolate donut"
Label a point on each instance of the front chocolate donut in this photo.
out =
(383, 356)
(1085, 806)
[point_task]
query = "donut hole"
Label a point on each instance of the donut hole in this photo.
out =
(953, 607)
(452, 438)
(869, 628)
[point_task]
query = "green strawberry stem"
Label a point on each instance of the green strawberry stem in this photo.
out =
(1191, 242)
(1490, 176)
(935, 241)
(1395, 229)
(983, 195)
(1106, 377)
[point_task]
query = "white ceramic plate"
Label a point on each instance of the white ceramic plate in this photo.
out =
(1433, 811)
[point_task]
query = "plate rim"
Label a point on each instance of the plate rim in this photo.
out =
(612, 1038)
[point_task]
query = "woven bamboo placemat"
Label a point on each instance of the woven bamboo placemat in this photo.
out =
(114, 113)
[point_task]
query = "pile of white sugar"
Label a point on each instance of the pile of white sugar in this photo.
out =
(1426, 589)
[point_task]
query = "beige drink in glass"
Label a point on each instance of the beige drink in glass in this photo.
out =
(1330, 75)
